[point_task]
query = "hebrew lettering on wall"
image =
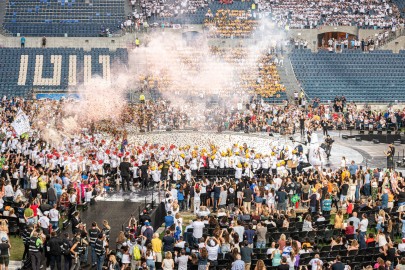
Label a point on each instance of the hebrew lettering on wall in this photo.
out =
(50, 72)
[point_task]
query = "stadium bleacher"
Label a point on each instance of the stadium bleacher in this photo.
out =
(198, 16)
(78, 18)
(23, 71)
(365, 77)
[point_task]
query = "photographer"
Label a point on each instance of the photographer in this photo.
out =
(77, 250)
(35, 247)
(54, 251)
(94, 231)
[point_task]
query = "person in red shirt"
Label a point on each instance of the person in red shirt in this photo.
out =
(34, 206)
(349, 229)
(350, 207)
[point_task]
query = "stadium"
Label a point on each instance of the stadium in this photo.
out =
(202, 134)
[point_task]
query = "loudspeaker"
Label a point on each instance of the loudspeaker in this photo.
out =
(376, 141)
(358, 138)
(379, 132)
(142, 131)
(168, 129)
(271, 134)
(370, 132)
(345, 137)
(388, 131)
(361, 132)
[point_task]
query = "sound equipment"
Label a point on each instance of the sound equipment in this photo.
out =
(142, 131)
(271, 134)
(388, 131)
(361, 132)
(358, 138)
(370, 132)
(345, 137)
(376, 141)
(195, 129)
(237, 129)
(379, 132)
(168, 129)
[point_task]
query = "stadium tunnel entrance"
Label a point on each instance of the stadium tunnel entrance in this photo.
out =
(323, 38)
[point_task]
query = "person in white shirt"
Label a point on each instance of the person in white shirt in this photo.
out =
(212, 246)
(363, 231)
(401, 246)
(198, 227)
(8, 191)
(44, 222)
(34, 185)
(54, 216)
(181, 260)
(315, 262)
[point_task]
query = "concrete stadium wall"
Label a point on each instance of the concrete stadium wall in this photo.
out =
(311, 35)
(90, 42)
(395, 45)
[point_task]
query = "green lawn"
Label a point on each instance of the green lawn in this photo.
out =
(17, 248)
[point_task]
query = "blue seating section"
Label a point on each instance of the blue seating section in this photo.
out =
(12, 68)
(57, 17)
(199, 16)
(365, 77)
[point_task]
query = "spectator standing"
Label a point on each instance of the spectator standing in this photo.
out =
(247, 198)
(54, 245)
(22, 42)
(238, 264)
(246, 254)
(5, 253)
(338, 265)
(125, 172)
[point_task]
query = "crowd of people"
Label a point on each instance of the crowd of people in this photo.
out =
(230, 23)
(371, 14)
(255, 204)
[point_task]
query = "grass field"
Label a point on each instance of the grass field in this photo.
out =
(17, 248)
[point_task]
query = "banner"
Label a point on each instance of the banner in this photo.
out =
(21, 123)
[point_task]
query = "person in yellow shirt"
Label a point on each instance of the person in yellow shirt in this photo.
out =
(345, 174)
(157, 246)
(42, 187)
(142, 98)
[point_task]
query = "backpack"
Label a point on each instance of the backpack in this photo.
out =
(137, 253)
(65, 247)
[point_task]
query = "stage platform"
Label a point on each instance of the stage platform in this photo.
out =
(380, 138)
(117, 214)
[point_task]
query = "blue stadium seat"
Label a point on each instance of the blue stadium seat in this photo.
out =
(49, 18)
(374, 76)
(10, 72)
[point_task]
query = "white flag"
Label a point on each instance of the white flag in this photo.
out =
(21, 123)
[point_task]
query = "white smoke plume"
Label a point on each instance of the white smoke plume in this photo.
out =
(181, 72)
